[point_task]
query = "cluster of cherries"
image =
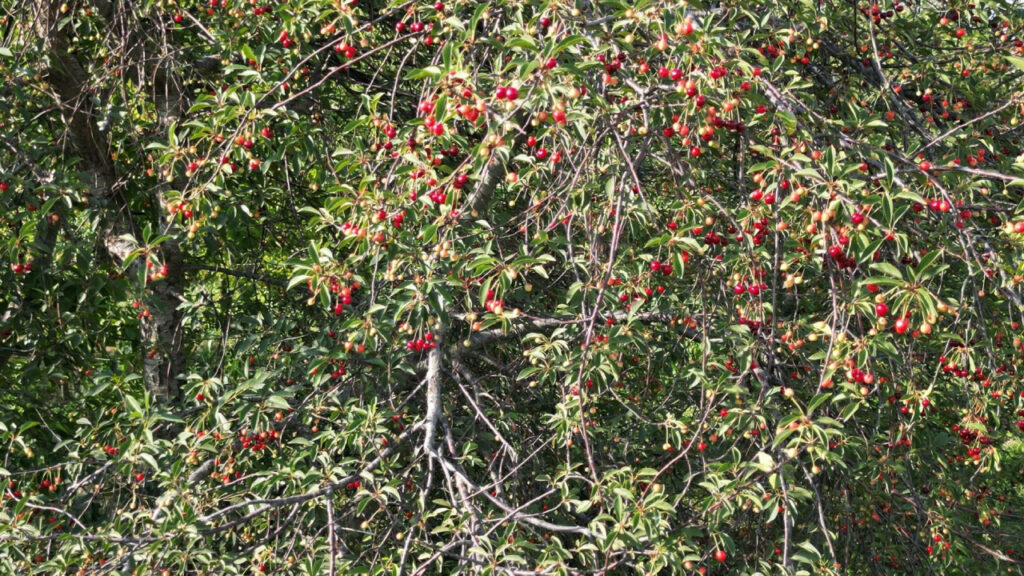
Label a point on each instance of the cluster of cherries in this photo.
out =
(344, 295)
(350, 229)
(19, 268)
(719, 72)
(952, 368)
(665, 269)
(159, 274)
(449, 152)
(860, 377)
(422, 344)
(968, 437)
(436, 128)
(1004, 369)
(612, 65)
(772, 51)
(438, 196)
(396, 220)
(492, 304)
(598, 338)
(754, 325)
(754, 288)
(935, 205)
(835, 252)
(733, 125)
(256, 441)
(761, 230)
(415, 27)
(460, 181)
(510, 93)
(712, 238)
(12, 493)
(339, 370)
(676, 74)
(345, 49)
(876, 14)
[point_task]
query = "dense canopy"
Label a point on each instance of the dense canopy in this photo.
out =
(511, 287)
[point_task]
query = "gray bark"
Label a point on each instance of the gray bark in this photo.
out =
(162, 349)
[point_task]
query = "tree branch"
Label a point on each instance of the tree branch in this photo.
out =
(538, 324)
(433, 378)
(192, 267)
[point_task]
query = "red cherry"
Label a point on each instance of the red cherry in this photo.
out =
(901, 325)
(881, 308)
(720, 555)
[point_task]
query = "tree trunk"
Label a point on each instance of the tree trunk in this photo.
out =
(162, 347)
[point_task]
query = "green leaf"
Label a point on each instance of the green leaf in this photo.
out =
(1016, 61)
(887, 269)
(420, 73)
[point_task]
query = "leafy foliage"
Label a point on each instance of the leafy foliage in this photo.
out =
(391, 287)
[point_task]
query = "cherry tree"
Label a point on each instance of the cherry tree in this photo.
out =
(514, 287)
